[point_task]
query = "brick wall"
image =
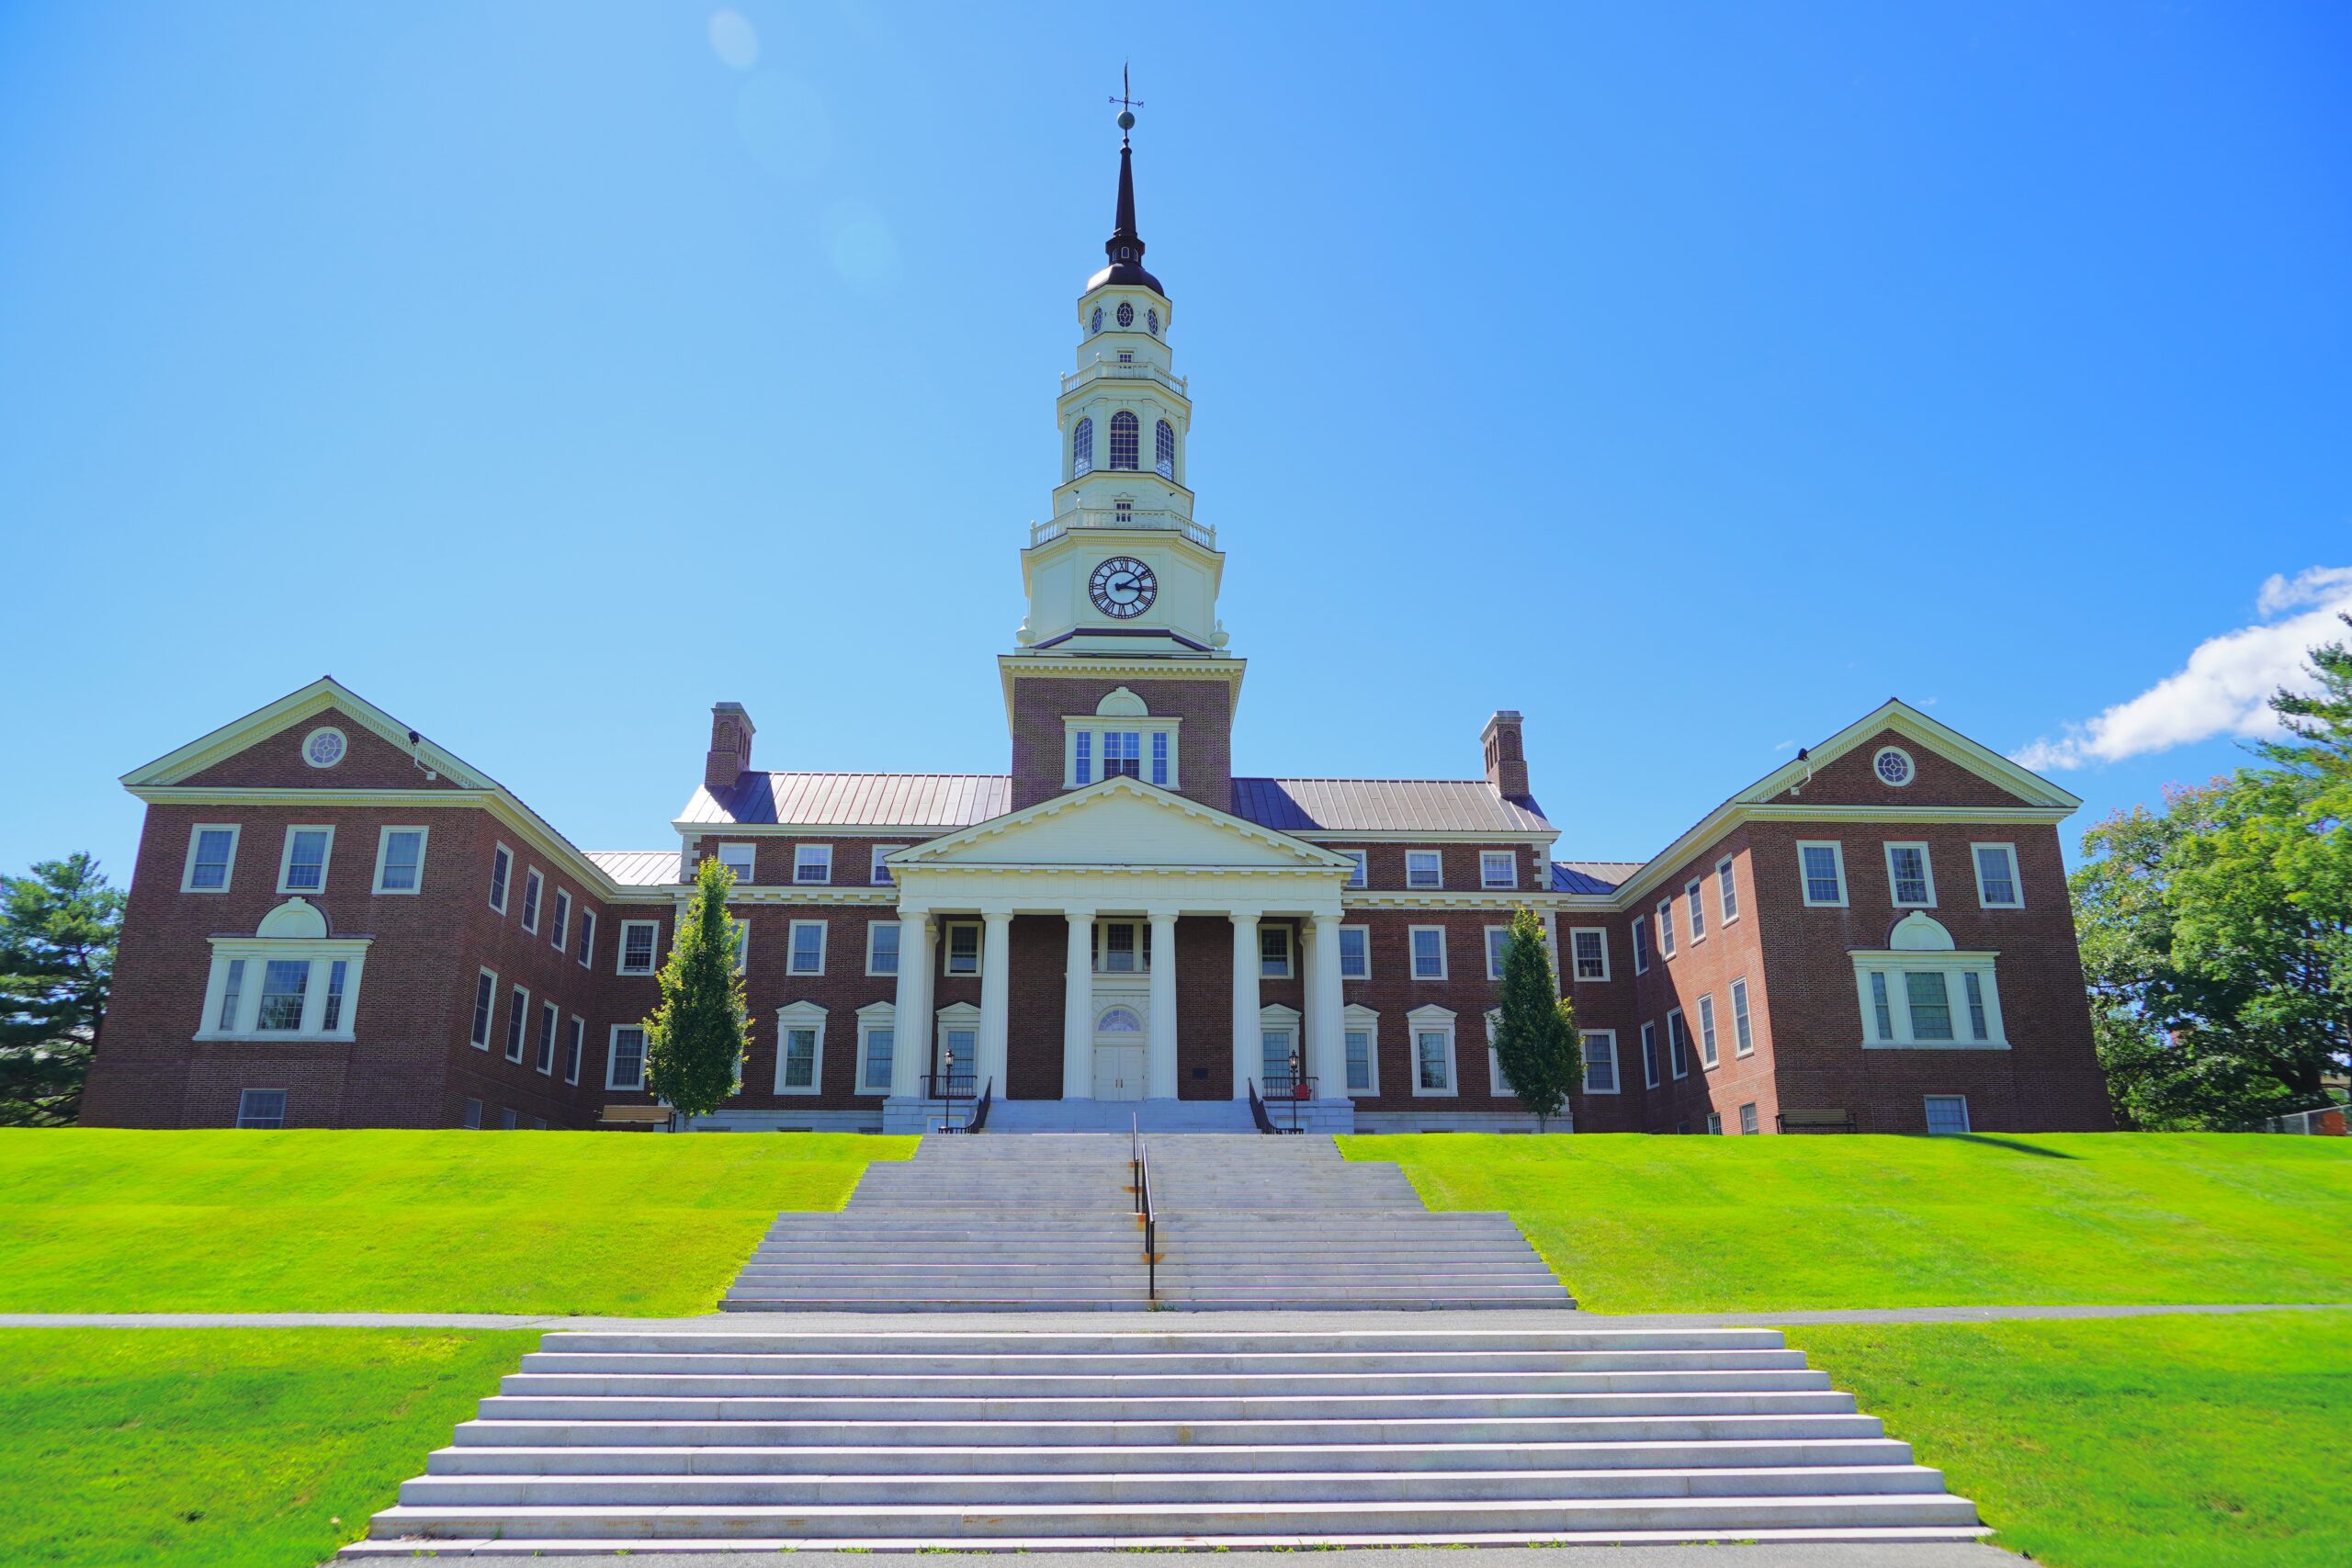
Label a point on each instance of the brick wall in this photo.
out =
(1204, 755)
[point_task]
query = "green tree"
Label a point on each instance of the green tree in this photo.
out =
(58, 929)
(2217, 933)
(696, 1039)
(1535, 1039)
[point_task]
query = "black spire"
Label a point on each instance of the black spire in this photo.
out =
(1124, 249)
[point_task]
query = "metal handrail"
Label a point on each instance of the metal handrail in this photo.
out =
(1140, 1159)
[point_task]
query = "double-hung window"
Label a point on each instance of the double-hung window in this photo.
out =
(1747, 1122)
(1159, 757)
(796, 1070)
(878, 1049)
(587, 937)
(485, 1005)
(1707, 1052)
(1693, 894)
(573, 1048)
(1083, 757)
(1355, 877)
(1823, 866)
(534, 885)
(1911, 882)
(399, 860)
(1678, 1045)
(638, 939)
(1996, 875)
(559, 923)
(517, 1019)
(812, 863)
(1726, 890)
(1433, 1055)
(1424, 868)
(1355, 952)
(331, 1014)
(625, 1058)
(1497, 868)
(1360, 1060)
(1122, 753)
(1641, 945)
(1498, 943)
(549, 1019)
(963, 948)
(1665, 928)
(1429, 952)
(882, 947)
(741, 859)
(807, 951)
(285, 984)
(1742, 1032)
(1649, 1053)
(1600, 1061)
(1118, 947)
(878, 871)
(1273, 951)
(1588, 946)
(303, 868)
(501, 870)
(212, 854)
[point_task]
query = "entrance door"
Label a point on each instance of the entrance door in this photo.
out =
(1119, 1054)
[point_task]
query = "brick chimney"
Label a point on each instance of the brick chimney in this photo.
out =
(731, 745)
(1506, 757)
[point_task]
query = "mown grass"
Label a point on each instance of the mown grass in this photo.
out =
(2152, 1442)
(101, 1220)
(1639, 1224)
(237, 1446)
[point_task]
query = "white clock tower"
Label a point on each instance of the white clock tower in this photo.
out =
(1121, 568)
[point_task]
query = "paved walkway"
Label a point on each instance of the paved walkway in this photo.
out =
(1158, 1322)
(1824, 1555)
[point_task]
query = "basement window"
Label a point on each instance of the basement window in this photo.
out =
(261, 1108)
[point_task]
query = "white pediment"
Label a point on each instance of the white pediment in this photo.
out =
(1918, 932)
(296, 919)
(1120, 822)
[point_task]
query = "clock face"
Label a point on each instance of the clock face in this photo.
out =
(1123, 587)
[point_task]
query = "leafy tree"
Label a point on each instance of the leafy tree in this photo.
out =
(58, 929)
(2217, 933)
(1535, 1039)
(695, 1040)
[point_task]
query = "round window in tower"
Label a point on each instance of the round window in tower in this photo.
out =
(323, 747)
(1893, 766)
(1126, 314)
(1151, 320)
(1098, 319)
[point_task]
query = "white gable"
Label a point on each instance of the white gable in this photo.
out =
(1119, 822)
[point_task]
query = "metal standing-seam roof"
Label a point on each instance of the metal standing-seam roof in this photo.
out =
(1592, 875)
(635, 868)
(855, 800)
(1382, 805)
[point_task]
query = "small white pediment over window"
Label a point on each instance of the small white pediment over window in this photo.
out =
(296, 919)
(1918, 933)
(1120, 703)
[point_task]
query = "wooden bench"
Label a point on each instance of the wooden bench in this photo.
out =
(1818, 1122)
(635, 1116)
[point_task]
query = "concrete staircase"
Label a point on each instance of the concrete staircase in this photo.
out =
(1046, 1222)
(1118, 1115)
(690, 1441)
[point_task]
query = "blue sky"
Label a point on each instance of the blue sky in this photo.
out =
(1690, 378)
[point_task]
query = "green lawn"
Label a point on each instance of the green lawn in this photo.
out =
(244, 1448)
(2155, 1443)
(100, 1220)
(1639, 1224)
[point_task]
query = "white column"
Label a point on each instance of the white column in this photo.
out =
(1078, 1008)
(996, 973)
(1159, 1051)
(911, 1021)
(1326, 1058)
(1246, 1047)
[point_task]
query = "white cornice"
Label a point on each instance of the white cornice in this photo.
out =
(291, 709)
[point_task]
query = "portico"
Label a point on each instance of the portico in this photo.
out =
(1119, 866)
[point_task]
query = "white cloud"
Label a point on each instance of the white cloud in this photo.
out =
(2225, 687)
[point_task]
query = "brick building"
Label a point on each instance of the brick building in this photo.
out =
(336, 923)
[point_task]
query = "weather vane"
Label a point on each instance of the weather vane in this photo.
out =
(1128, 106)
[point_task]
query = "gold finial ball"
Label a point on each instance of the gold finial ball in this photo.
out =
(1127, 119)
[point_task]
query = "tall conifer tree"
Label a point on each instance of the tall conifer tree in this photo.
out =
(1536, 1038)
(695, 1040)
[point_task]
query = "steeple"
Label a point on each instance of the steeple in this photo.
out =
(1124, 249)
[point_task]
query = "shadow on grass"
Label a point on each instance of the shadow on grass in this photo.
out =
(2013, 1143)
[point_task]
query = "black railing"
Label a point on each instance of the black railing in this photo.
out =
(1139, 1165)
(951, 1086)
(980, 1117)
(1258, 1113)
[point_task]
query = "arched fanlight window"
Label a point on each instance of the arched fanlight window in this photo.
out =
(1163, 456)
(1125, 440)
(1082, 448)
(1098, 319)
(1119, 1021)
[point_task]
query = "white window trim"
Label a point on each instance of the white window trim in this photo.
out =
(1967, 1123)
(1346, 978)
(1290, 952)
(1665, 943)
(518, 1003)
(956, 1017)
(1276, 1018)
(320, 953)
(874, 925)
(1727, 871)
(1694, 908)
(947, 930)
(1954, 965)
(1143, 726)
(612, 1059)
(1643, 945)
(801, 1015)
(620, 952)
(1497, 1084)
(1413, 958)
(871, 1017)
(1573, 975)
(877, 875)
(1361, 876)
(1616, 1061)
(1356, 1017)
(228, 871)
(1710, 1040)
(1492, 959)
(746, 852)
(552, 1031)
(1714, 1123)
(1487, 859)
(1751, 1121)
(326, 858)
(1805, 883)
(1427, 1019)
(1650, 1055)
(500, 853)
(1910, 767)
(1673, 1015)
(587, 944)
(559, 920)
(2017, 883)
(1437, 855)
(534, 906)
(1732, 993)
(1926, 872)
(383, 852)
(490, 1022)
(804, 857)
(792, 949)
(578, 1035)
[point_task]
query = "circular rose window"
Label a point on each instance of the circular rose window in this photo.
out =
(322, 748)
(1892, 767)
(1126, 314)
